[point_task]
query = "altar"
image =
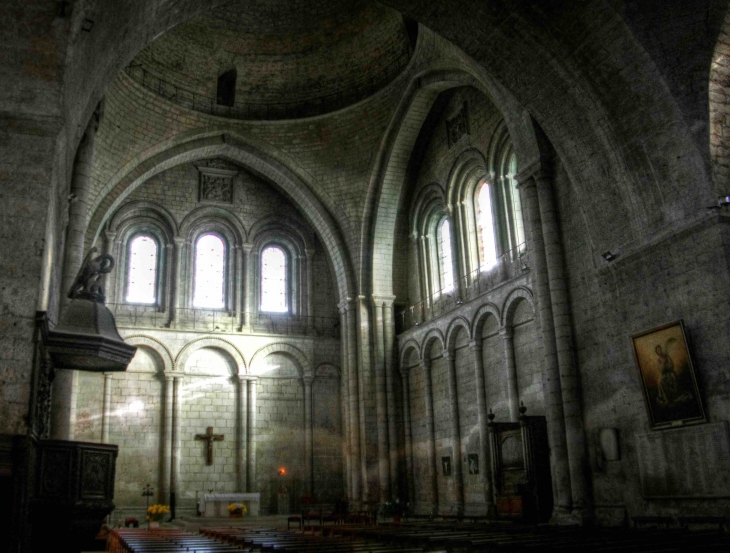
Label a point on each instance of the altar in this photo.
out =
(215, 505)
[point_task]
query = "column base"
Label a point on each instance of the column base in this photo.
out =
(565, 516)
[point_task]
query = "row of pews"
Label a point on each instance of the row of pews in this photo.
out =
(422, 537)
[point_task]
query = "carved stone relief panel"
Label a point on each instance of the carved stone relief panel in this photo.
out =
(458, 126)
(216, 181)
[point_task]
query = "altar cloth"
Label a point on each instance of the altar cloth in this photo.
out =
(215, 505)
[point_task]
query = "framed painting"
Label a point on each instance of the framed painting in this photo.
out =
(667, 376)
(446, 465)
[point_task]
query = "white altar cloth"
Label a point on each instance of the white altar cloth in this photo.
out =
(215, 505)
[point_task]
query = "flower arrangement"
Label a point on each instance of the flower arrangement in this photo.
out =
(156, 513)
(237, 509)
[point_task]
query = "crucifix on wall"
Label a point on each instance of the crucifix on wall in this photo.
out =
(209, 437)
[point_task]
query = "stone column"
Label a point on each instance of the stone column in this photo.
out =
(110, 290)
(345, 401)
(238, 295)
(167, 408)
(165, 299)
(458, 468)
(570, 387)
(177, 282)
(106, 408)
(309, 287)
(551, 373)
(389, 323)
(251, 437)
(380, 398)
(354, 401)
(485, 473)
(241, 434)
(428, 280)
(407, 434)
(249, 305)
(176, 441)
(508, 358)
(64, 391)
(364, 378)
(430, 433)
(308, 445)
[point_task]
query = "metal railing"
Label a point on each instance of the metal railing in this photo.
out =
(306, 107)
(509, 265)
(213, 320)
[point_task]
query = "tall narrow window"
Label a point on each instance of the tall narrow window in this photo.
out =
(486, 228)
(516, 204)
(445, 262)
(273, 280)
(209, 272)
(142, 270)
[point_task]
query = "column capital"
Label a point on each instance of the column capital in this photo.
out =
(539, 169)
(168, 377)
(385, 301)
(425, 363)
(475, 345)
(178, 376)
(506, 332)
(308, 379)
(110, 235)
(179, 241)
(247, 247)
(447, 354)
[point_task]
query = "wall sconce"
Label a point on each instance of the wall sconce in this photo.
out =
(609, 256)
(87, 25)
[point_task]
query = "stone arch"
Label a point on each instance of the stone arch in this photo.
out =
(200, 215)
(154, 345)
(274, 224)
(213, 343)
(480, 317)
(410, 345)
(457, 324)
(234, 148)
(327, 370)
(511, 302)
(142, 209)
(434, 335)
(719, 96)
(301, 360)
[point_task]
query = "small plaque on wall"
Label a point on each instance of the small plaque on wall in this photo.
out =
(690, 462)
(216, 181)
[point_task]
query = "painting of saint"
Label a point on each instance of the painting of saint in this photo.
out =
(473, 461)
(669, 385)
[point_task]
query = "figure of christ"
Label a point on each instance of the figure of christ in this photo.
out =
(209, 437)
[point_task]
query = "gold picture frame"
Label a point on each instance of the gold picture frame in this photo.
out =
(668, 381)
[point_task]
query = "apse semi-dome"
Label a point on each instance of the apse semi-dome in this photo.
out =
(277, 59)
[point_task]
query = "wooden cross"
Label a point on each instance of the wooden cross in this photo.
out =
(210, 438)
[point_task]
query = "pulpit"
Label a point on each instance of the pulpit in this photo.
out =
(521, 468)
(215, 505)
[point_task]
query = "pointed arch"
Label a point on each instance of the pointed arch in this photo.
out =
(238, 151)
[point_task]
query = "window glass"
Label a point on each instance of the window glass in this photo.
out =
(445, 261)
(273, 280)
(486, 228)
(209, 269)
(516, 204)
(142, 273)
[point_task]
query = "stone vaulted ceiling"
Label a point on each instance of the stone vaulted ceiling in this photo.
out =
(292, 58)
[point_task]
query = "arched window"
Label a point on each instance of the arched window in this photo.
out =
(486, 228)
(142, 270)
(210, 264)
(519, 227)
(274, 280)
(446, 266)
